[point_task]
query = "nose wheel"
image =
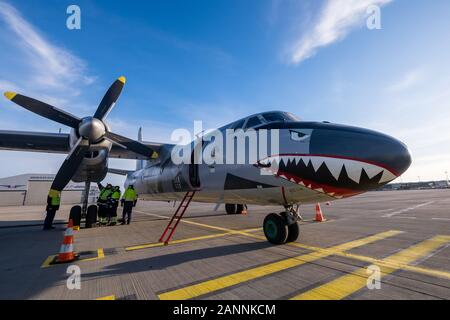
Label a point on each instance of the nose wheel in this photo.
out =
(275, 229)
(282, 228)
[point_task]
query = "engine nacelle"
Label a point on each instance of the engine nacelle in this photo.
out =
(94, 166)
(156, 179)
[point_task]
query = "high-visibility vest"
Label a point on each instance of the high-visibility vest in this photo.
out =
(55, 197)
(130, 195)
(104, 194)
(56, 201)
(116, 195)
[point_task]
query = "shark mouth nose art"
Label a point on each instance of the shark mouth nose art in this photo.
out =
(335, 176)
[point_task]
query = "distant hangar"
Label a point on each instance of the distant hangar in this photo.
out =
(32, 188)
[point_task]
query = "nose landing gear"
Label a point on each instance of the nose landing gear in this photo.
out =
(282, 228)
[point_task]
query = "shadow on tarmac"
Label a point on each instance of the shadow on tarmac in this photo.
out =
(174, 259)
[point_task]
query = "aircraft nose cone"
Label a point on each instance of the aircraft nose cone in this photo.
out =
(371, 148)
(397, 156)
(339, 161)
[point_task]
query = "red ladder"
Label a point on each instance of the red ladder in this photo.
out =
(174, 223)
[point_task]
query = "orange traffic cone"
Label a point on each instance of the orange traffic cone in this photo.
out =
(66, 253)
(319, 214)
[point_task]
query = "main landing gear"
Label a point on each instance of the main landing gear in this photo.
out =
(234, 208)
(282, 228)
(83, 211)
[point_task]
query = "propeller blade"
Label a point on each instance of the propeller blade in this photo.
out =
(110, 98)
(132, 145)
(70, 165)
(43, 109)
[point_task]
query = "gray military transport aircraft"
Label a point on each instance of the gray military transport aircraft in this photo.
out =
(313, 162)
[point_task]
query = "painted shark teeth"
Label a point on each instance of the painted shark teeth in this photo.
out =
(353, 168)
(387, 176)
(335, 166)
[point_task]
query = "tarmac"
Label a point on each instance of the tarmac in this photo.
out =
(380, 245)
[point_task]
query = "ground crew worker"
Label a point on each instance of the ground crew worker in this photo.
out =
(113, 204)
(53, 203)
(129, 200)
(102, 202)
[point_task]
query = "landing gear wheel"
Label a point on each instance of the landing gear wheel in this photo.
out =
(239, 208)
(293, 232)
(275, 229)
(91, 216)
(230, 208)
(75, 215)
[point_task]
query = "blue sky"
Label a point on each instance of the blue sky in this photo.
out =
(220, 60)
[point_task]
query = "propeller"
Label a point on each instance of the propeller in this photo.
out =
(90, 130)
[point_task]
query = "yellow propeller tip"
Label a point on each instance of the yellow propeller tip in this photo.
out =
(10, 95)
(122, 79)
(154, 155)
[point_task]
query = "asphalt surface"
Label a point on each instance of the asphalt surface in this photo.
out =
(400, 238)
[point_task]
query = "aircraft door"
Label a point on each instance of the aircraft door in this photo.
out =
(194, 177)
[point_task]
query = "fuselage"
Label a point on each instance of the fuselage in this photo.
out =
(294, 162)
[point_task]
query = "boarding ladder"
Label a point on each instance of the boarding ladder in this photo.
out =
(166, 236)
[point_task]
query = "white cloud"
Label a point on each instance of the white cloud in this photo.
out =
(50, 66)
(40, 69)
(409, 80)
(336, 19)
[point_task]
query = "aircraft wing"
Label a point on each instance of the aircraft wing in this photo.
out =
(34, 141)
(58, 143)
(121, 153)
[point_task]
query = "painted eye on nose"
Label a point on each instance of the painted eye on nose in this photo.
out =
(299, 136)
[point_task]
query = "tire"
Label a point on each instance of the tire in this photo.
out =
(91, 216)
(239, 208)
(275, 229)
(75, 215)
(293, 232)
(230, 208)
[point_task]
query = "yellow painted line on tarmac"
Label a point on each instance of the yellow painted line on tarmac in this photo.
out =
(50, 259)
(111, 297)
(431, 272)
(194, 223)
(346, 285)
(416, 269)
(241, 232)
(210, 236)
(261, 271)
(47, 261)
(428, 271)
(100, 255)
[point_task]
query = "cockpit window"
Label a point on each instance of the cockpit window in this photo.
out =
(291, 117)
(238, 124)
(252, 122)
(279, 116)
